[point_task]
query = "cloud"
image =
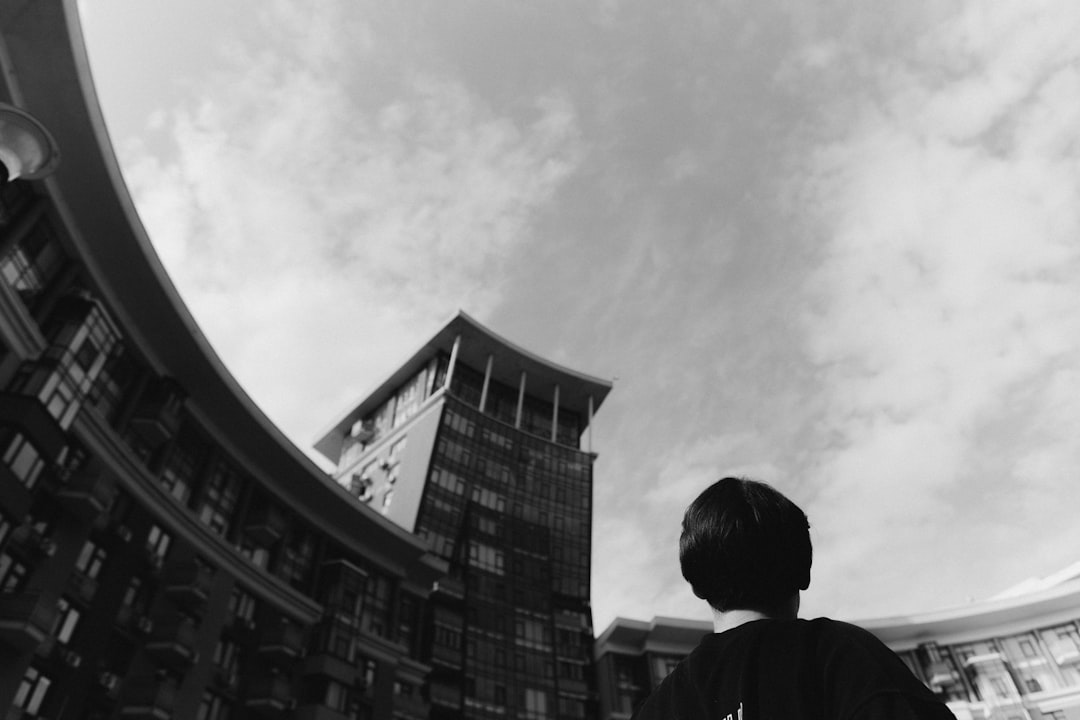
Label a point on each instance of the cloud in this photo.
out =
(941, 315)
(311, 228)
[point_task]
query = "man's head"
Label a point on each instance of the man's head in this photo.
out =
(744, 546)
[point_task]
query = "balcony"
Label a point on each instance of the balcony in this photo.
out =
(1065, 652)
(318, 712)
(88, 494)
(982, 659)
(172, 643)
(27, 412)
(26, 619)
(281, 643)
(157, 417)
(83, 585)
(148, 698)
(265, 525)
(270, 695)
(32, 542)
(411, 706)
(941, 675)
(189, 583)
(330, 666)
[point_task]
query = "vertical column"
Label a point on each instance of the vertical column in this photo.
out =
(588, 434)
(487, 380)
(521, 401)
(453, 362)
(555, 415)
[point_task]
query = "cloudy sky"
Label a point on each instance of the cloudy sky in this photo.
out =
(831, 245)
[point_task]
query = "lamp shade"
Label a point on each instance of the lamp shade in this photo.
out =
(27, 149)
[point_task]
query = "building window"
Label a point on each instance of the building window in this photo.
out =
(212, 707)
(67, 618)
(241, 606)
(5, 528)
(91, 559)
(226, 659)
(535, 704)
(23, 459)
(157, 543)
(31, 692)
(179, 473)
(487, 558)
(1027, 649)
(375, 615)
(219, 499)
(31, 265)
(12, 573)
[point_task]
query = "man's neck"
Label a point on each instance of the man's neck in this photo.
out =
(734, 618)
(728, 619)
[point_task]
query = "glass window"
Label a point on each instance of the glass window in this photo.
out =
(67, 618)
(23, 459)
(219, 499)
(157, 542)
(12, 573)
(212, 707)
(91, 559)
(32, 690)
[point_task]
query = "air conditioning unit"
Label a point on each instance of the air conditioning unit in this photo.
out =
(109, 680)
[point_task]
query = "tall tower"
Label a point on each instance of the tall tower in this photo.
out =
(484, 449)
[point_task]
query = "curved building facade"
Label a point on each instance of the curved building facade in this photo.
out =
(164, 550)
(1015, 657)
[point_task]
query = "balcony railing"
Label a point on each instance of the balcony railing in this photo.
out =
(172, 643)
(157, 417)
(148, 697)
(281, 643)
(270, 695)
(26, 619)
(189, 583)
(88, 494)
(265, 524)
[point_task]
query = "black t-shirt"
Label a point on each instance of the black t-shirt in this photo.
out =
(792, 670)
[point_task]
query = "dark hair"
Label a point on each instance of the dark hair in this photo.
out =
(745, 546)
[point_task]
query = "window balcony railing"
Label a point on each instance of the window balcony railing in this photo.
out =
(148, 697)
(172, 643)
(26, 619)
(28, 413)
(189, 583)
(985, 658)
(265, 525)
(941, 675)
(281, 643)
(318, 712)
(270, 695)
(1065, 652)
(88, 494)
(157, 417)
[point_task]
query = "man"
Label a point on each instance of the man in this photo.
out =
(745, 549)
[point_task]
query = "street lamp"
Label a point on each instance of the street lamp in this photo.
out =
(27, 149)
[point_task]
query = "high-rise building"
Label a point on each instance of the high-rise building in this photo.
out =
(484, 450)
(165, 552)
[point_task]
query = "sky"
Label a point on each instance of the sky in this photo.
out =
(830, 245)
